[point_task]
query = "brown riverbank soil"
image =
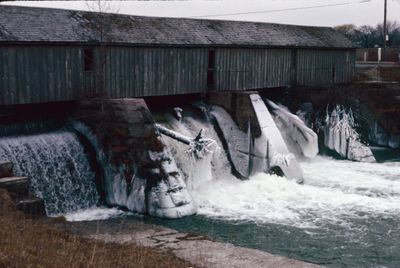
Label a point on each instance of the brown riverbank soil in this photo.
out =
(26, 242)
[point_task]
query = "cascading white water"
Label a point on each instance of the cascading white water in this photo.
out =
(57, 167)
(335, 192)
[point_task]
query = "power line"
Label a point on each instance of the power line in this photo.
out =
(282, 10)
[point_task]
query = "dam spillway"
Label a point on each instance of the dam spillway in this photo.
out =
(339, 198)
(57, 166)
(139, 172)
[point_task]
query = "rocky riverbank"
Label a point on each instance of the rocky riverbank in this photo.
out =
(198, 250)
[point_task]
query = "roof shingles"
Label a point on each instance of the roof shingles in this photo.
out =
(27, 24)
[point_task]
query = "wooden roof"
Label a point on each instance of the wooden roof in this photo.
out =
(29, 24)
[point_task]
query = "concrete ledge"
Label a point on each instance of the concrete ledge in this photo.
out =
(238, 105)
(16, 185)
(32, 206)
(196, 249)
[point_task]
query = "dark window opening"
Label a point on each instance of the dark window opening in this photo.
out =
(88, 56)
(210, 69)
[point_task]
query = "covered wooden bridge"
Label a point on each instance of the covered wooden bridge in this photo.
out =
(49, 55)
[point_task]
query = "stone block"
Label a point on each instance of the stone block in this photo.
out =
(6, 169)
(32, 206)
(16, 185)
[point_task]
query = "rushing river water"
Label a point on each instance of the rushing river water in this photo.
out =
(345, 215)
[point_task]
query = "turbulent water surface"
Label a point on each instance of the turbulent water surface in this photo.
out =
(345, 214)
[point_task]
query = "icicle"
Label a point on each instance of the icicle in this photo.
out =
(341, 136)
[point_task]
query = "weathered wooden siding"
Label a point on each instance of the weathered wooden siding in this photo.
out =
(36, 74)
(241, 69)
(39, 74)
(134, 72)
(324, 67)
(46, 74)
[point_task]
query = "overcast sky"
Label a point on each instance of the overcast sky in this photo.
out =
(302, 12)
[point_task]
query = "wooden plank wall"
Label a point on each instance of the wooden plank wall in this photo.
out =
(37, 74)
(134, 72)
(241, 69)
(324, 67)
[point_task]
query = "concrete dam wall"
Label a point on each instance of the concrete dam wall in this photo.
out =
(112, 152)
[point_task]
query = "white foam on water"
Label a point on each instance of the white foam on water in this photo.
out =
(335, 192)
(95, 214)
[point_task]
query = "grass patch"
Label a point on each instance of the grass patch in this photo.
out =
(26, 242)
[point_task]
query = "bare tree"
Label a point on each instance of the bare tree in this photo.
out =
(101, 25)
(367, 36)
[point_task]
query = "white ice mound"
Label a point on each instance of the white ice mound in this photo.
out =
(299, 138)
(341, 136)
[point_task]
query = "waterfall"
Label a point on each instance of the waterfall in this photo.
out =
(57, 167)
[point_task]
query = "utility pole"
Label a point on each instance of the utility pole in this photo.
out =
(384, 32)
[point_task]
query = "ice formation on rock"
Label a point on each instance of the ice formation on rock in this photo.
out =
(340, 136)
(169, 197)
(273, 141)
(251, 155)
(299, 138)
(158, 191)
(198, 147)
(197, 171)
